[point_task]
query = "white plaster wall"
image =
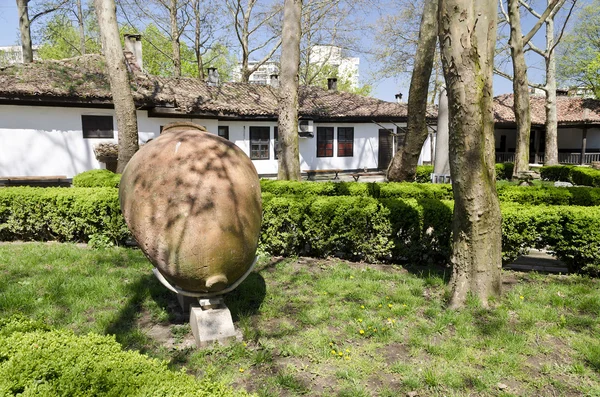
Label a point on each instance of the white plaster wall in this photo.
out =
(44, 141)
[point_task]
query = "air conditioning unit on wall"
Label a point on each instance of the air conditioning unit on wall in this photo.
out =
(306, 129)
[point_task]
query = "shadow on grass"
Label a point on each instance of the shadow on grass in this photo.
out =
(124, 326)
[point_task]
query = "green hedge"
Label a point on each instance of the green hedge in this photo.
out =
(583, 176)
(423, 174)
(504, 171)
(353, 227)
(61, 214)
(532, 195)
(97, 178)
(35, 360)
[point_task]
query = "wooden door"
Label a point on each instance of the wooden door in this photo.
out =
(386, 149)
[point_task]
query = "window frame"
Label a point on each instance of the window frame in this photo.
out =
(344, 142)
(275, 142)
(262, 141)
(325, 138)
(91, 130)
(225, 129)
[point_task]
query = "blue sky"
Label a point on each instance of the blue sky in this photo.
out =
(383, 89)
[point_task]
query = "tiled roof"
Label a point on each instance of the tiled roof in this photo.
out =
(568, 109)
(84, 79)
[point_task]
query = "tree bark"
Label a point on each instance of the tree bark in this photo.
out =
(521, 106)
(119, 81)
(289, 156)
(551, 146)
(25, 29)
(176, 48)
(404, 164)
(80, 22)
(468, 37)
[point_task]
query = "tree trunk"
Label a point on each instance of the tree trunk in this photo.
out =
(520, 90)
(25, 29)
(289, 156)
(551, 147)
(175, 39)
(119, 81)
(468, 37)
(404, 164)
(197, 33)
(81, 28)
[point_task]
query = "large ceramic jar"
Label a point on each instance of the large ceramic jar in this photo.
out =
(192, 201)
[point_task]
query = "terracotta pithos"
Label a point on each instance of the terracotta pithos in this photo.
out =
(192, 201)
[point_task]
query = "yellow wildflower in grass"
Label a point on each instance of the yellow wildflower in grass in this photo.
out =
(374, 329)
(242, 370)
(333, 352)
(347, 358)
(351, 277)
(390, 305)
(380, 305)
(330, 343)
(362, 306)
(362, 331)
(360, 320)
(347, 350)
(521, 297)
(404, 305)
(340, 354)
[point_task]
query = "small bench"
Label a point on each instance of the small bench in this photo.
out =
(52, 180)
(357, 175)
(311, 173)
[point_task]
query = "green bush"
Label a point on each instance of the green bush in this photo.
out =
(549, 195)
(504, 171)
(97, 178)
(348, 227)
(423, 174)
(75, 214)
(37, 361)
(407, 190)
(585, 176)
(556, 173)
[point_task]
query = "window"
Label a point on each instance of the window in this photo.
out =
(345, 141)
(97, 126)
(324, 141)
(223, 131)
(259, 143)
(276, 136)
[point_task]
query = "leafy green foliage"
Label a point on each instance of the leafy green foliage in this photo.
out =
(62, 214)
(60, 38)
(579, 55)
(97, 178)
(423, 174)
(504, 171)
(583, 176)
(37, 361)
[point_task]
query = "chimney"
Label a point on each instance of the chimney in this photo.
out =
(332, 84)
(213, 77)
(274, 80)
(398, 97)
(133, 44)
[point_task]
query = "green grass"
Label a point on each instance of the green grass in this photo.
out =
(327, 327)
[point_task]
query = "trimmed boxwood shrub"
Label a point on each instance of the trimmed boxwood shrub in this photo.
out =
(556, 173)
(504, 171)
(353, 227)
(97, 178)
(550, 195)
(35, 360)
(423, 174)
(348, 227)
(75, 214)
(583, 176)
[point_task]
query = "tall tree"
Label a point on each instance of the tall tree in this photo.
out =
(289, 154)
(404, 164)
(549, 55)
(579, 56)
(519, 79)
(120, 87)
(467, 37)
(256, 30)
(25, 22)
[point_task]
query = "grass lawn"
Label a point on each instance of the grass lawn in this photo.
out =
(327, 327)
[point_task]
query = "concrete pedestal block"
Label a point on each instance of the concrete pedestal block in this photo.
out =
(211, 322)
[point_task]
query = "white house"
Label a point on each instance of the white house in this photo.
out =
(578, 129)
(53, 114)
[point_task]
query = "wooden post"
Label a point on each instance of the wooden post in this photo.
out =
(583, 145)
